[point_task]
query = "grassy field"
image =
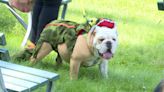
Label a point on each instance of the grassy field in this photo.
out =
(139, 61)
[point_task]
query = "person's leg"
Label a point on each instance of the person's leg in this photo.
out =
(160, 87)
(49, 12)
(35, 19)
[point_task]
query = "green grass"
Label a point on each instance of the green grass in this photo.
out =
(139, 62)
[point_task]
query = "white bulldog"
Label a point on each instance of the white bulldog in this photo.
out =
(95, 47)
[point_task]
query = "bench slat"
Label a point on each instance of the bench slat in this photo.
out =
(29, 70)
(15, 87)
(19, 82)
(23, 76)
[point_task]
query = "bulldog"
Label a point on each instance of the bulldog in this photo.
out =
(79, 44)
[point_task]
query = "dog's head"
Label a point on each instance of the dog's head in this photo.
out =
(105, 38)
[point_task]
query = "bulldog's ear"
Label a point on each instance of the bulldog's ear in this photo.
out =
(93, 29)
(92, 34)
(97, 28)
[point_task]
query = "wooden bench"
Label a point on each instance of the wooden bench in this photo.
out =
(20, 78)
(4, 53)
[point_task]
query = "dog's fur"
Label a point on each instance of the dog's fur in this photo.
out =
(87, 50)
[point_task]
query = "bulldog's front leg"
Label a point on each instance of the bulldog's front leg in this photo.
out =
(74, 68)
(104, 68)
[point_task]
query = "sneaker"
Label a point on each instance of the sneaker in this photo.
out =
(26, 53)
(30, 45)
(23, 55)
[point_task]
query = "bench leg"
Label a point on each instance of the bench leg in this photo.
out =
(4, 54)
(64, 11)
(50, 87)
(2, 85)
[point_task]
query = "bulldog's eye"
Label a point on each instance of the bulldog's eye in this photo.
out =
(101, 39)
(113, 39)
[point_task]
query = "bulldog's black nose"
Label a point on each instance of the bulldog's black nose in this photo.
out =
(109, 44)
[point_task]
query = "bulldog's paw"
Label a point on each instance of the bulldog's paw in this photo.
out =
(33, 60)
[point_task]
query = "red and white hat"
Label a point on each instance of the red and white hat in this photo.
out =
(104, 23)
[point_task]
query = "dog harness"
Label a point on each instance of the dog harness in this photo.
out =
(61, 31)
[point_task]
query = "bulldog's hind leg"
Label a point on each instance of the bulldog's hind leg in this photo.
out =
(44, 50)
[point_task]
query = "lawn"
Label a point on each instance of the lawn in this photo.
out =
(138, 63)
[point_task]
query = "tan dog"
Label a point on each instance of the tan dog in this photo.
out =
(97, 46)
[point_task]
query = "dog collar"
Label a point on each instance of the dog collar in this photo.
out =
(80, 32)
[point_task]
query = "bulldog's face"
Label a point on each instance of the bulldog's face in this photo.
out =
(105, 41)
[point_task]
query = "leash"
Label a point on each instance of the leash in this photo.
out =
(83, 10)
(25, 39)
(90, 21)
